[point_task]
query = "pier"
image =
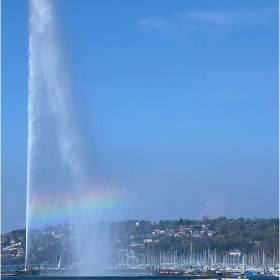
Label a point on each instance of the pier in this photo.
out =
(145, 272)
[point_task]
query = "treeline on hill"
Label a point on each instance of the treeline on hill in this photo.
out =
(221, 234)
(249, 236)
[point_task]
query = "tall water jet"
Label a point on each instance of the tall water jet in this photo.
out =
(60, 187)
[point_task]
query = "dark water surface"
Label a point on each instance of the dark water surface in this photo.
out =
(255, 277)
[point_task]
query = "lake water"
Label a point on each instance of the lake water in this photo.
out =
(257, 277)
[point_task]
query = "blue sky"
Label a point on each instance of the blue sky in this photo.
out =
(178, 98)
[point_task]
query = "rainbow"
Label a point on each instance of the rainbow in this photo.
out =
(90, 204)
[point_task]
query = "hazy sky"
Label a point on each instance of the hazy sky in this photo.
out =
(178, 98)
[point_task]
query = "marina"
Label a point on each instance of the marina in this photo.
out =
(147, 271)
(130, 263)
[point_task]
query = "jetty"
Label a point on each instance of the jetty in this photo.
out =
(20, 272)
(147, 272)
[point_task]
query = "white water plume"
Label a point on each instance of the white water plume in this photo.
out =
(58, 170)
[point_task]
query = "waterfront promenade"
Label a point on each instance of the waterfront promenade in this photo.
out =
(147, 272)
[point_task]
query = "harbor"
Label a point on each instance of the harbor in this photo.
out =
(147, 271)
(130, 263)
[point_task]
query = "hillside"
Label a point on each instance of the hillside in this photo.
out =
(222, 235)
